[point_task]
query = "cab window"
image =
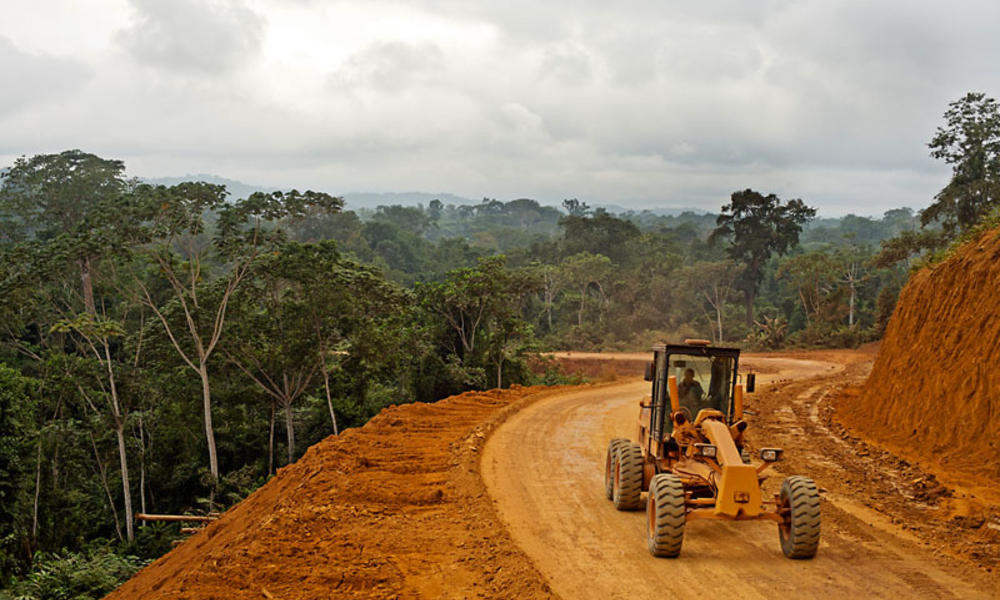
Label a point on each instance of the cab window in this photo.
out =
(702, 381)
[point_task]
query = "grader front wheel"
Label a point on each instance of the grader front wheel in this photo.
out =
(799, 504)
(665, 516)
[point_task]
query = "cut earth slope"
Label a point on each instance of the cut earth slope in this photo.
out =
(394, 509)
(934, 392)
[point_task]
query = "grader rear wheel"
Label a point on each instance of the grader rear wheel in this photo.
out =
(799, 504)
(627, 486)
(609, 467)
(665, 516)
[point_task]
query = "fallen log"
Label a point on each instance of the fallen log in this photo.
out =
(175, 518)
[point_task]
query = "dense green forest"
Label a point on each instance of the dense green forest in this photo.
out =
(165, 349)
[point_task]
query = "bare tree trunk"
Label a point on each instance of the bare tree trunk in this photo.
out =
(718, 313)
(270, 443)
(88, 287)
(718, 317)
(329, 398)
(500, 372)
(850, 318)
(126, 491)
(122, 449)
(290, 431)
(38, 486)
(142, 469)
(102, 473)
(748, 297)
(206, 399)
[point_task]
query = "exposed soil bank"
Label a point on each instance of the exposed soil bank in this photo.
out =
(934, 392)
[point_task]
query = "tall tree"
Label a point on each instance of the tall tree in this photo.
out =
(815, 278)
(52, 195)
(96, 335)
(479, 304)
(601, 233)
(59, 209)
(712, 285)
(588, 272)
(304, 307)
(757, 227)
(171, 237)
(969, 142)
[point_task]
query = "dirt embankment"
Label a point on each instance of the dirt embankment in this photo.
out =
(934, 392)
(394, 509)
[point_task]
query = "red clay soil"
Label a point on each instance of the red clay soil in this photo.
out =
(394, 509)
(934, 392)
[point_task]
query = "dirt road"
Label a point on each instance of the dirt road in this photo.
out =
(544, 470)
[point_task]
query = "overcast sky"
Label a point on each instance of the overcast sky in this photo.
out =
(644, 104)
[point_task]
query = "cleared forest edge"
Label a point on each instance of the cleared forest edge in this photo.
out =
(934, 392)
(394, 509)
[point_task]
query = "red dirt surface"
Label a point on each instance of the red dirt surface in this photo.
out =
(934, 392)
(394, 509)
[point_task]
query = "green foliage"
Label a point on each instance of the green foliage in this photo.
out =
(757, 227)
(17, 424)
(970, 143)
(601, 233)
(57, 194)
(770, 333)
(86, 575)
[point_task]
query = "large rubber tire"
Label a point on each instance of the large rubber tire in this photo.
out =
(665, 515)
(799, 534)
(609, 467)
(627, 489)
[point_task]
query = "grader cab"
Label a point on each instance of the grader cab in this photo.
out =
(692, 460)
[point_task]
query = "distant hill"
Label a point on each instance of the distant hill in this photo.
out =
(659, 212)
(373, 200)
(237, 189)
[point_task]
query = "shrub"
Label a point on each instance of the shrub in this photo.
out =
(74, 575)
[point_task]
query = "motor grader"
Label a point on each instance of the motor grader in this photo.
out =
(691, 456)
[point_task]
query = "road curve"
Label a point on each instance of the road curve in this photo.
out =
(544, 470)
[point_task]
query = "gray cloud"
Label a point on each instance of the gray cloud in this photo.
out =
(31, 79)
(193, 35)
(642, 102)
(390, 66)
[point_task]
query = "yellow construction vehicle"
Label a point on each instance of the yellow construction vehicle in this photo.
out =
(692, 459)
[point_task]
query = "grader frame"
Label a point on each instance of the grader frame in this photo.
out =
(694, 464)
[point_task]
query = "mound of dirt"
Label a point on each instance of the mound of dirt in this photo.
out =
(394, 509)
(934, 391)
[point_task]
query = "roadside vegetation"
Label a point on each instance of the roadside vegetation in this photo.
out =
(165, 349)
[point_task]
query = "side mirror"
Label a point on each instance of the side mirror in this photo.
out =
(649, 372)
(751, 382)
